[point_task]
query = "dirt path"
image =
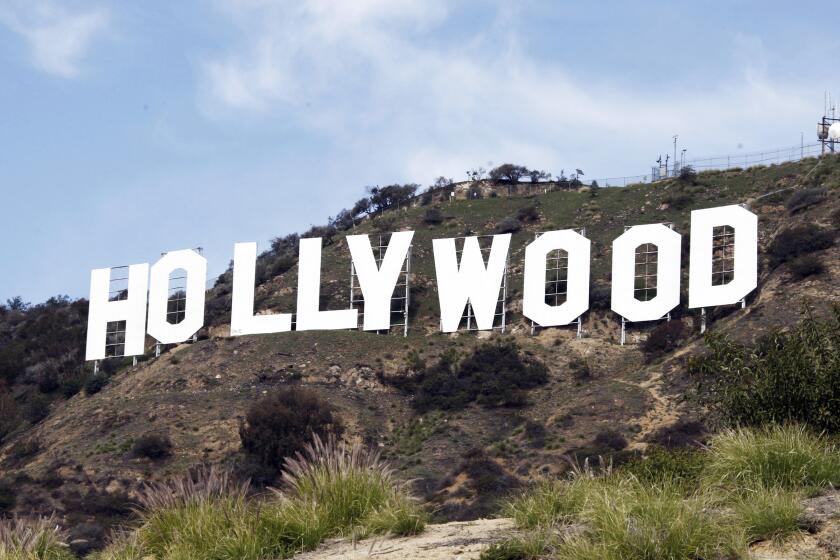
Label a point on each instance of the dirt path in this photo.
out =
(464, 541)
(664, 412)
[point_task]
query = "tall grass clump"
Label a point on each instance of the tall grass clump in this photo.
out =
(787, 457)
(769, 514)
(331, 489)
(352, 487)
(747, 485)
(552, 502)
(631, 520)
(38, 539)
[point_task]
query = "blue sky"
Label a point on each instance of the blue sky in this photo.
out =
(132, 128)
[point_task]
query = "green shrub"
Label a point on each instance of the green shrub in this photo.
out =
(8, 496)
(805, 198)
(281, 423)
(580, 369)
(152, 446)
(789, 376)
(799, 240)
(508, 225)
(433, 216)
(683, 433)
(11, 360)
(9, 414)
(679, 201)
(600, 297)
(786, 457)
(94, 384)
(35, 407)
(529, 213)
(688, 174)
(611, 439)
(495, 374)
(663, 339)
(805, 266)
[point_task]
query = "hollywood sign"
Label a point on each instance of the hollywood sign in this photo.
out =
(472, 280)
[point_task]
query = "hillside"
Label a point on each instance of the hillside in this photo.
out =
(600, 398)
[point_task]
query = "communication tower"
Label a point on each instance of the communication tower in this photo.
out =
(828, 129)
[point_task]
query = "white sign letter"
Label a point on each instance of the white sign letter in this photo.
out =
(577, 284)
(195, 268)
(377, 282)
(471, 282)
(309, 314)
(667, 297)
(132, 310)
(701, 292)
(242, 318)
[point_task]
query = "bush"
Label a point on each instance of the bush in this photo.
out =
(508, 225)
(528, 213)
(280, 424)
(683, 433)
(580, 369)
(805, 266)
(495, 374)
(11, 360)
(22, 451)
(8, 496)
(799, 240)
(35, 408)
(611, 439)
(433, 216)
(152, 446)
(94, 384)
(688, 174)
(663, 339)
(600, 297)
(679, 201)
(789, 376)
(805, 198)
(9, 414)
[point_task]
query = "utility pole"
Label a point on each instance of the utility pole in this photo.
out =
(675, 153)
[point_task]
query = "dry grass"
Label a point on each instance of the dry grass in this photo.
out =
(32, 539)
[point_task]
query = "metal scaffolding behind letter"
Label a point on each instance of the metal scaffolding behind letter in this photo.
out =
(400, 298)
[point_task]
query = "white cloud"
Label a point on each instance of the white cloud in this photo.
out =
(369, 76)
(58, 40)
